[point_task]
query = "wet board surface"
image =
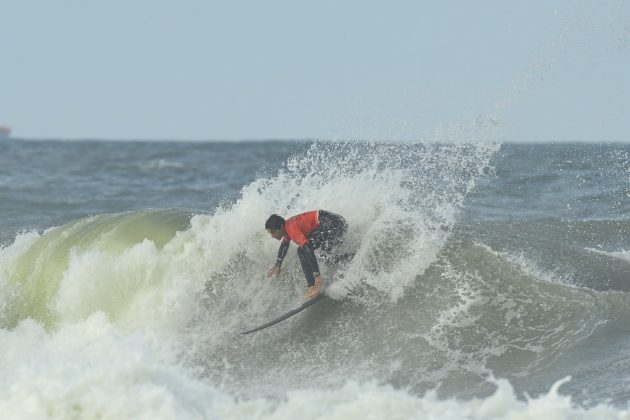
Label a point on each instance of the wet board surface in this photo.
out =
(292, 312)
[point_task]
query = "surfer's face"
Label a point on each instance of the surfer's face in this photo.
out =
(276, 233)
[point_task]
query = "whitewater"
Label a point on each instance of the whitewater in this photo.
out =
(490, 280)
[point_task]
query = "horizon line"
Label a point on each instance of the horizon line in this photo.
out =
(297, 139)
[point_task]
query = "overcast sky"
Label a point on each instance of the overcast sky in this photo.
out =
(396, 70)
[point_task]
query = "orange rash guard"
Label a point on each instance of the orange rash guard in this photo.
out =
(301, 225)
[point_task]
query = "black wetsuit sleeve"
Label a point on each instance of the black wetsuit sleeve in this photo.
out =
(309, 253)
(282, 252)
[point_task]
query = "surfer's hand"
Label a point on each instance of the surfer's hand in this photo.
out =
(274, 271)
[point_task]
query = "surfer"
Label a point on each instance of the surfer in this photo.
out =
(315, 229)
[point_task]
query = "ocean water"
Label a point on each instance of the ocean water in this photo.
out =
(490, 281)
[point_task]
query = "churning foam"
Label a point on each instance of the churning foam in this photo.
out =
(90, 370)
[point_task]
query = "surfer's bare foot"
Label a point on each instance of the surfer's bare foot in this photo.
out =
(310, 292)
(319, 283)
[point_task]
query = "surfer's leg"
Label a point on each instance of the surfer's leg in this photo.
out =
(306, 267)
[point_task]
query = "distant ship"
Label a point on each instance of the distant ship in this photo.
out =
(5, 132)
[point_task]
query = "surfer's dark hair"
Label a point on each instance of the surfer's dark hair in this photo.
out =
(274, 222)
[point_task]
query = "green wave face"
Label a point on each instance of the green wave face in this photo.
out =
(37, 271)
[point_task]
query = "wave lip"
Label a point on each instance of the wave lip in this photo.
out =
(623, 255)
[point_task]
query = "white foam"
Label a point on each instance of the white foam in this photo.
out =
(623, 255)
(91, 370)
(369, 400)
(160, 164)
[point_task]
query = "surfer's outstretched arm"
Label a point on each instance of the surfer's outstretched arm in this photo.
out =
(282, 252)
